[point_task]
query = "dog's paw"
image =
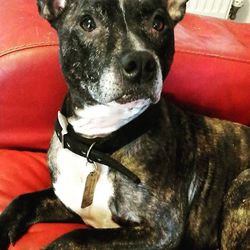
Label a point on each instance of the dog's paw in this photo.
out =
(13, 224)
(7, 234)
(4, 239)
(10, 230)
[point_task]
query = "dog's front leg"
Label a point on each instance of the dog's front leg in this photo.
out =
(31, 208)
(137, 238)
(236, 224)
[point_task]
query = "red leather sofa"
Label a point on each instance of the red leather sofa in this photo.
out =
(210, 75)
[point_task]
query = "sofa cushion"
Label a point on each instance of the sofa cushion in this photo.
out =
(31, 82)
(24, 172)
(211, 69)
(21, 172)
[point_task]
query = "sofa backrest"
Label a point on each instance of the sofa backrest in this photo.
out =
(210, 74)
(31, 83)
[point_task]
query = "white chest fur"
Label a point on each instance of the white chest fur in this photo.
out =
(101, 120)
(73, 170)
(69, 187)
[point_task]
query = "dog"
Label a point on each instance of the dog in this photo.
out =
(143, 173)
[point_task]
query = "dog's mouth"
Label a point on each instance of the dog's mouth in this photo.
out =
(152, 95)
(126, 98)
(131, 97)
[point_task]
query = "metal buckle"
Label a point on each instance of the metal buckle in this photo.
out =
(88, 153)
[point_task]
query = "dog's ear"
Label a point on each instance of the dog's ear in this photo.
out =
(176, 9)
(51, 9)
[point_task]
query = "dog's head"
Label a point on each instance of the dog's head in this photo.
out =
(114, 51)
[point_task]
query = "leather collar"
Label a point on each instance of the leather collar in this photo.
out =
(100, 149)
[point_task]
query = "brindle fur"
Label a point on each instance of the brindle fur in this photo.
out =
(158, 214)
(195, 190)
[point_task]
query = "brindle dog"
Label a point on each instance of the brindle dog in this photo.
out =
(186, 184)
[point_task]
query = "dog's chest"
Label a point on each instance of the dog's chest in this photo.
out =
(69, 186)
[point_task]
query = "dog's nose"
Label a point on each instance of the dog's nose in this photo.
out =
(138, 66)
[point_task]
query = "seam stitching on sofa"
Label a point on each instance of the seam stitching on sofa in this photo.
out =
(46, 44)
(26, 46)
(212, 55)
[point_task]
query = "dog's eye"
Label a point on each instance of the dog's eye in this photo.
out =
(159, 23)
(88, 23)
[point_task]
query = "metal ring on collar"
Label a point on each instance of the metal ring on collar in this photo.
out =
(88, 153)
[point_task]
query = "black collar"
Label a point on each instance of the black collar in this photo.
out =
(100, 149)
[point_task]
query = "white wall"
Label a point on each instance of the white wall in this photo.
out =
(218, 8)
(215, 8)
(243, 14)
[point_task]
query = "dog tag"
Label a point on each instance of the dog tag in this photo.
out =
(89, 190)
